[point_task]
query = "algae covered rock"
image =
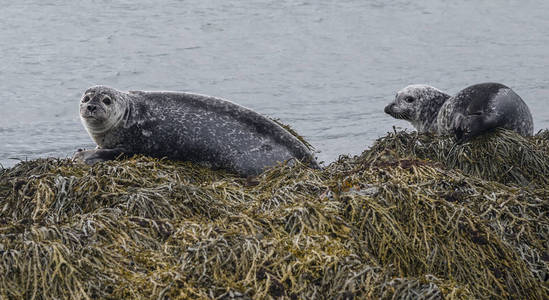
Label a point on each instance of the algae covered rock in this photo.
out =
(412, 217)
(501, 155)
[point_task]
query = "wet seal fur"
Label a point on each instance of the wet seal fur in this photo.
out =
(471, 112)
(185, 126)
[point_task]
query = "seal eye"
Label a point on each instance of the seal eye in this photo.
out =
(409, 99)
(107, 100)
(85, 99)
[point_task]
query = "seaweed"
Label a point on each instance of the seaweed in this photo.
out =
(414, 216)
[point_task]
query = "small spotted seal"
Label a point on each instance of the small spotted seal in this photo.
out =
(185, 126)
(471, 112)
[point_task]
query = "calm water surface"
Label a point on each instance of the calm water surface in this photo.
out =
(325, 67)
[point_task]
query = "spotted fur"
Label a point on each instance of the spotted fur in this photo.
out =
(185, 126)
(418, 104)
(471, 112)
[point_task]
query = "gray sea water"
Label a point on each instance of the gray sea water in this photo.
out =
(327, 68)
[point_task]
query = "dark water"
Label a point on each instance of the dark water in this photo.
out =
(325, 67)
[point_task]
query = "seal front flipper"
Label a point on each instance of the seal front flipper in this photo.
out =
(467, 127)
(91, 157)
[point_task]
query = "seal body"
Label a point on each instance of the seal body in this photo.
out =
(471, 112)
(185, 126)
(481, 107)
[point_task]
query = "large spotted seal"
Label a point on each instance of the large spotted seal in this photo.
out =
(471, 112)
(185, 126)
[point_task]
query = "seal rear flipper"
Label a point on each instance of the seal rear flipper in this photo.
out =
(91, 157)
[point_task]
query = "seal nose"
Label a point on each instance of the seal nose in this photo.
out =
(91, 108)
(389, 108)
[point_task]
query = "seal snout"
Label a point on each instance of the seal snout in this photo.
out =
(91, 107)
(92, 111)
(389, 108)
(89, 110)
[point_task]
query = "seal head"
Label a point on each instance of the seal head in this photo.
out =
(102, 109)
(419, 104)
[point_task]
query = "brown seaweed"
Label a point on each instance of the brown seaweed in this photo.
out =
(414, 216)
